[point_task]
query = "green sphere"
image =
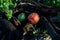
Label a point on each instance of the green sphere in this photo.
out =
(21, 17)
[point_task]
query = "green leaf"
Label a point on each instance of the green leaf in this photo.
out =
(7, 6)
(9, 14)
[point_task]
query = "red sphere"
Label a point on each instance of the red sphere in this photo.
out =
(33, 18)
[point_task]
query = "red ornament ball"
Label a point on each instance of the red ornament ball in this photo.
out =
(33, 18)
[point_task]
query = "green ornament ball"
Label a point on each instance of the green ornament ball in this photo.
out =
(21, 17)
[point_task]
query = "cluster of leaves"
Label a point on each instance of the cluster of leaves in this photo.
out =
(7, 6)
(37, 31)
(52, 2)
